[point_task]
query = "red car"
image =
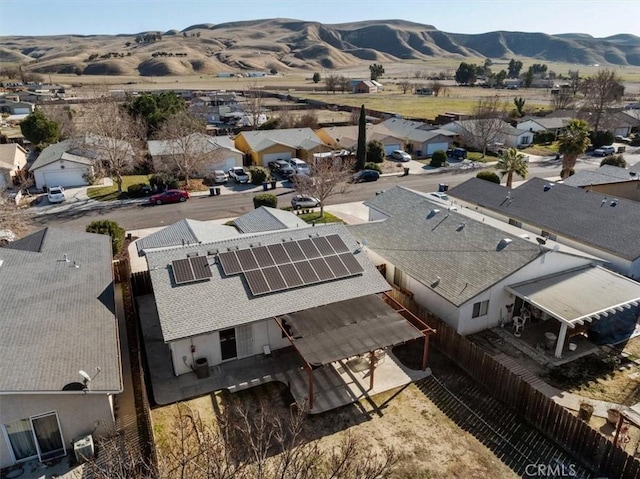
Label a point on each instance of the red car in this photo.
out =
(169, 196)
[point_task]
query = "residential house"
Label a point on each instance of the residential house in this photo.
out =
(213, 152)
(367, 86)
(16, 107)
(475, 275)
(471, 132)
(267, 219)
(596, 223)
(263, 146)
(555, 125)
(419, 138)
(609, 180)
(13, 159)
(347, 137)
(620, 122)
(58, 322)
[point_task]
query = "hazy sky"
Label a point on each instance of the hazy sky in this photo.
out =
(599, 18)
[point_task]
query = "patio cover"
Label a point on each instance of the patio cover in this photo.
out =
(579, 295)
(348, 328)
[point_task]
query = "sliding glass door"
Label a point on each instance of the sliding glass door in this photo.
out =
(39, 436)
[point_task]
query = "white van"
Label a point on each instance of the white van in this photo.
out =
(300, 166)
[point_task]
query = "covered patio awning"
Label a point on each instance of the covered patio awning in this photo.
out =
(579, 295)
(348, 328)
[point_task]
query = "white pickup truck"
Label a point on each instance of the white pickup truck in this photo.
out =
(238, 174)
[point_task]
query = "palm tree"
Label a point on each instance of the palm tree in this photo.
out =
(572, 144)
(512, 161)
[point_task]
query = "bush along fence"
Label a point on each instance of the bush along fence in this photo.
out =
(572, 434)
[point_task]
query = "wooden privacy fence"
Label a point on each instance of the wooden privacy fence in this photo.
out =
(575, 436)
(120, 270)
(141, 283)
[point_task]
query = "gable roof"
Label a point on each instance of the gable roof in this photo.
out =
(604, 175)
(548, 123)
(587, 216)
(462, 252)
(9, 154)
(267, 219)
(55, 318)
(224, 301)
(298, 138)
(204, 143)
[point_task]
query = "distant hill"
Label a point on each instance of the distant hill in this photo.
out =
(286, 44)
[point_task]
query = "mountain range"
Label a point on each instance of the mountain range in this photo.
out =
(287, 45)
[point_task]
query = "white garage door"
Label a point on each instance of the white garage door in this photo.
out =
(66, 178)
(433, 147)
(21, 111)
(388, 149)
(275, 156)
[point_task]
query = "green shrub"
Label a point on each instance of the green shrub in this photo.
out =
(136, 191)
(542, 137)
(601, 138)
(635, 141)
(373, 166)
(265, 199)
(110, 228)
(375, 152)
(164, 181)
(614, 160)
(259, 175)
(489, 176)
(438, 159)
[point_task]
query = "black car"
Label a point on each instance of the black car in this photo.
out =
(365, 175)
(457, 153)
(281, 166)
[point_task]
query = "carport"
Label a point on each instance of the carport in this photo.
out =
(361, 327)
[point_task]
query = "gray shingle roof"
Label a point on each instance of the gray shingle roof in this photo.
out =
(57, 319)
(223, 302)
(603, 175)
(185, 232)
(267, 219)
(563, 210)
(80, 150)
(463, 252)
(299, 138)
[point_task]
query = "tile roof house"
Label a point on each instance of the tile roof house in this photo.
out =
(264, 146)
(13, 158)
(589, 221)
(57, 317)
(609, 180)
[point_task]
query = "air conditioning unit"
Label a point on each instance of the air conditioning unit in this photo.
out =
(83, 449)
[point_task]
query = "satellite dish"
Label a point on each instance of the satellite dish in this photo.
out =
(541, 240)
(86, 377)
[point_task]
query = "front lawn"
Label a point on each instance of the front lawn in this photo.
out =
(542, 150)
(314, 217)
(110, 193)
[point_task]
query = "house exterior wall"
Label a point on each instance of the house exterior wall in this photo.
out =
(629, 189)
(79, 414)
(513, 141)
(70, 167)
(530, 125)
(275, 149)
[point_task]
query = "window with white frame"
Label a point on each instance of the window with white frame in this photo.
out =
(35, 437)
(480, 309)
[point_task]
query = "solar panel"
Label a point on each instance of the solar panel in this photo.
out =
(323, 245)
(351, 263)
(294, 251)
(338, 268)
(274, 278)
(306, 272)
(290, 275)
(200, 267)
(263, 257)
(310, 251)
(279, 254)
(322, 270)
(257, 283)
(182, 271)
(230, 263)
(337, 243)
(247, 260)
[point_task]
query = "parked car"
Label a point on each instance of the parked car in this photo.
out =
(219, 176)
(400, 155)
(55, 194)
(169, 196)
(238, 174)
(365, 175)
(303, 201)
(300, 166)
(604, 151)
(457, 153)
(439, 195)
(623, 139)
(281, 166)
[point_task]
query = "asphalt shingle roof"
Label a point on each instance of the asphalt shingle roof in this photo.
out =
(267, 219)
(603, 175)
(584, 216)
(462, 252)
(57, 319)
(222, 302)
(299, 138)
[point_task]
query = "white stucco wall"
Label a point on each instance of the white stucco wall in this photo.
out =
(79, 414)
(70, 168)
(530, 125)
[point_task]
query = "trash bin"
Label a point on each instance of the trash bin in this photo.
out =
(212, 191)
(442, 187)
(550, 340)
(406, 171)
(265, 186)
(622, 149)
(217, 191)
(273, 184)
(202, 368)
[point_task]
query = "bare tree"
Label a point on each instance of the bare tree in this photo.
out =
(436, 87)
(253, 104)
(575, 81)
(63, 116)
(344, 84)
(14, 218)
(329, 177)
(188, 149)
(563, 99)
(331, 83)
(601, 92)
(487, 126)
(405, 86)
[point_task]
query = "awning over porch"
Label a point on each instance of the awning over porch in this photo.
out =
(579, 295)
(348, 328)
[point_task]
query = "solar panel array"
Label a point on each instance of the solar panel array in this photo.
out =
(283, 266)
(191, 269)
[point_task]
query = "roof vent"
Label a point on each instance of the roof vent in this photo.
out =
(212, 252)
(604, 201)
(632, 173)
(548, 186)
(614, 202)
(432, 213)
(461, 226)
(191, 255)
(504, 242)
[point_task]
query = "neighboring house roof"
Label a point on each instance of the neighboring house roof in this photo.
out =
(12, 156)
(298, 138)
(79, 150)
(471, 126)
(461, 256)
(549, 123)
(563, 114)
(267, 219)
(57, 319)
(185, 232)
(204, 143)
(402, 127)
(51, 154)
(633, 114)
(586, 216)
(225, 301)
(604, 175)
